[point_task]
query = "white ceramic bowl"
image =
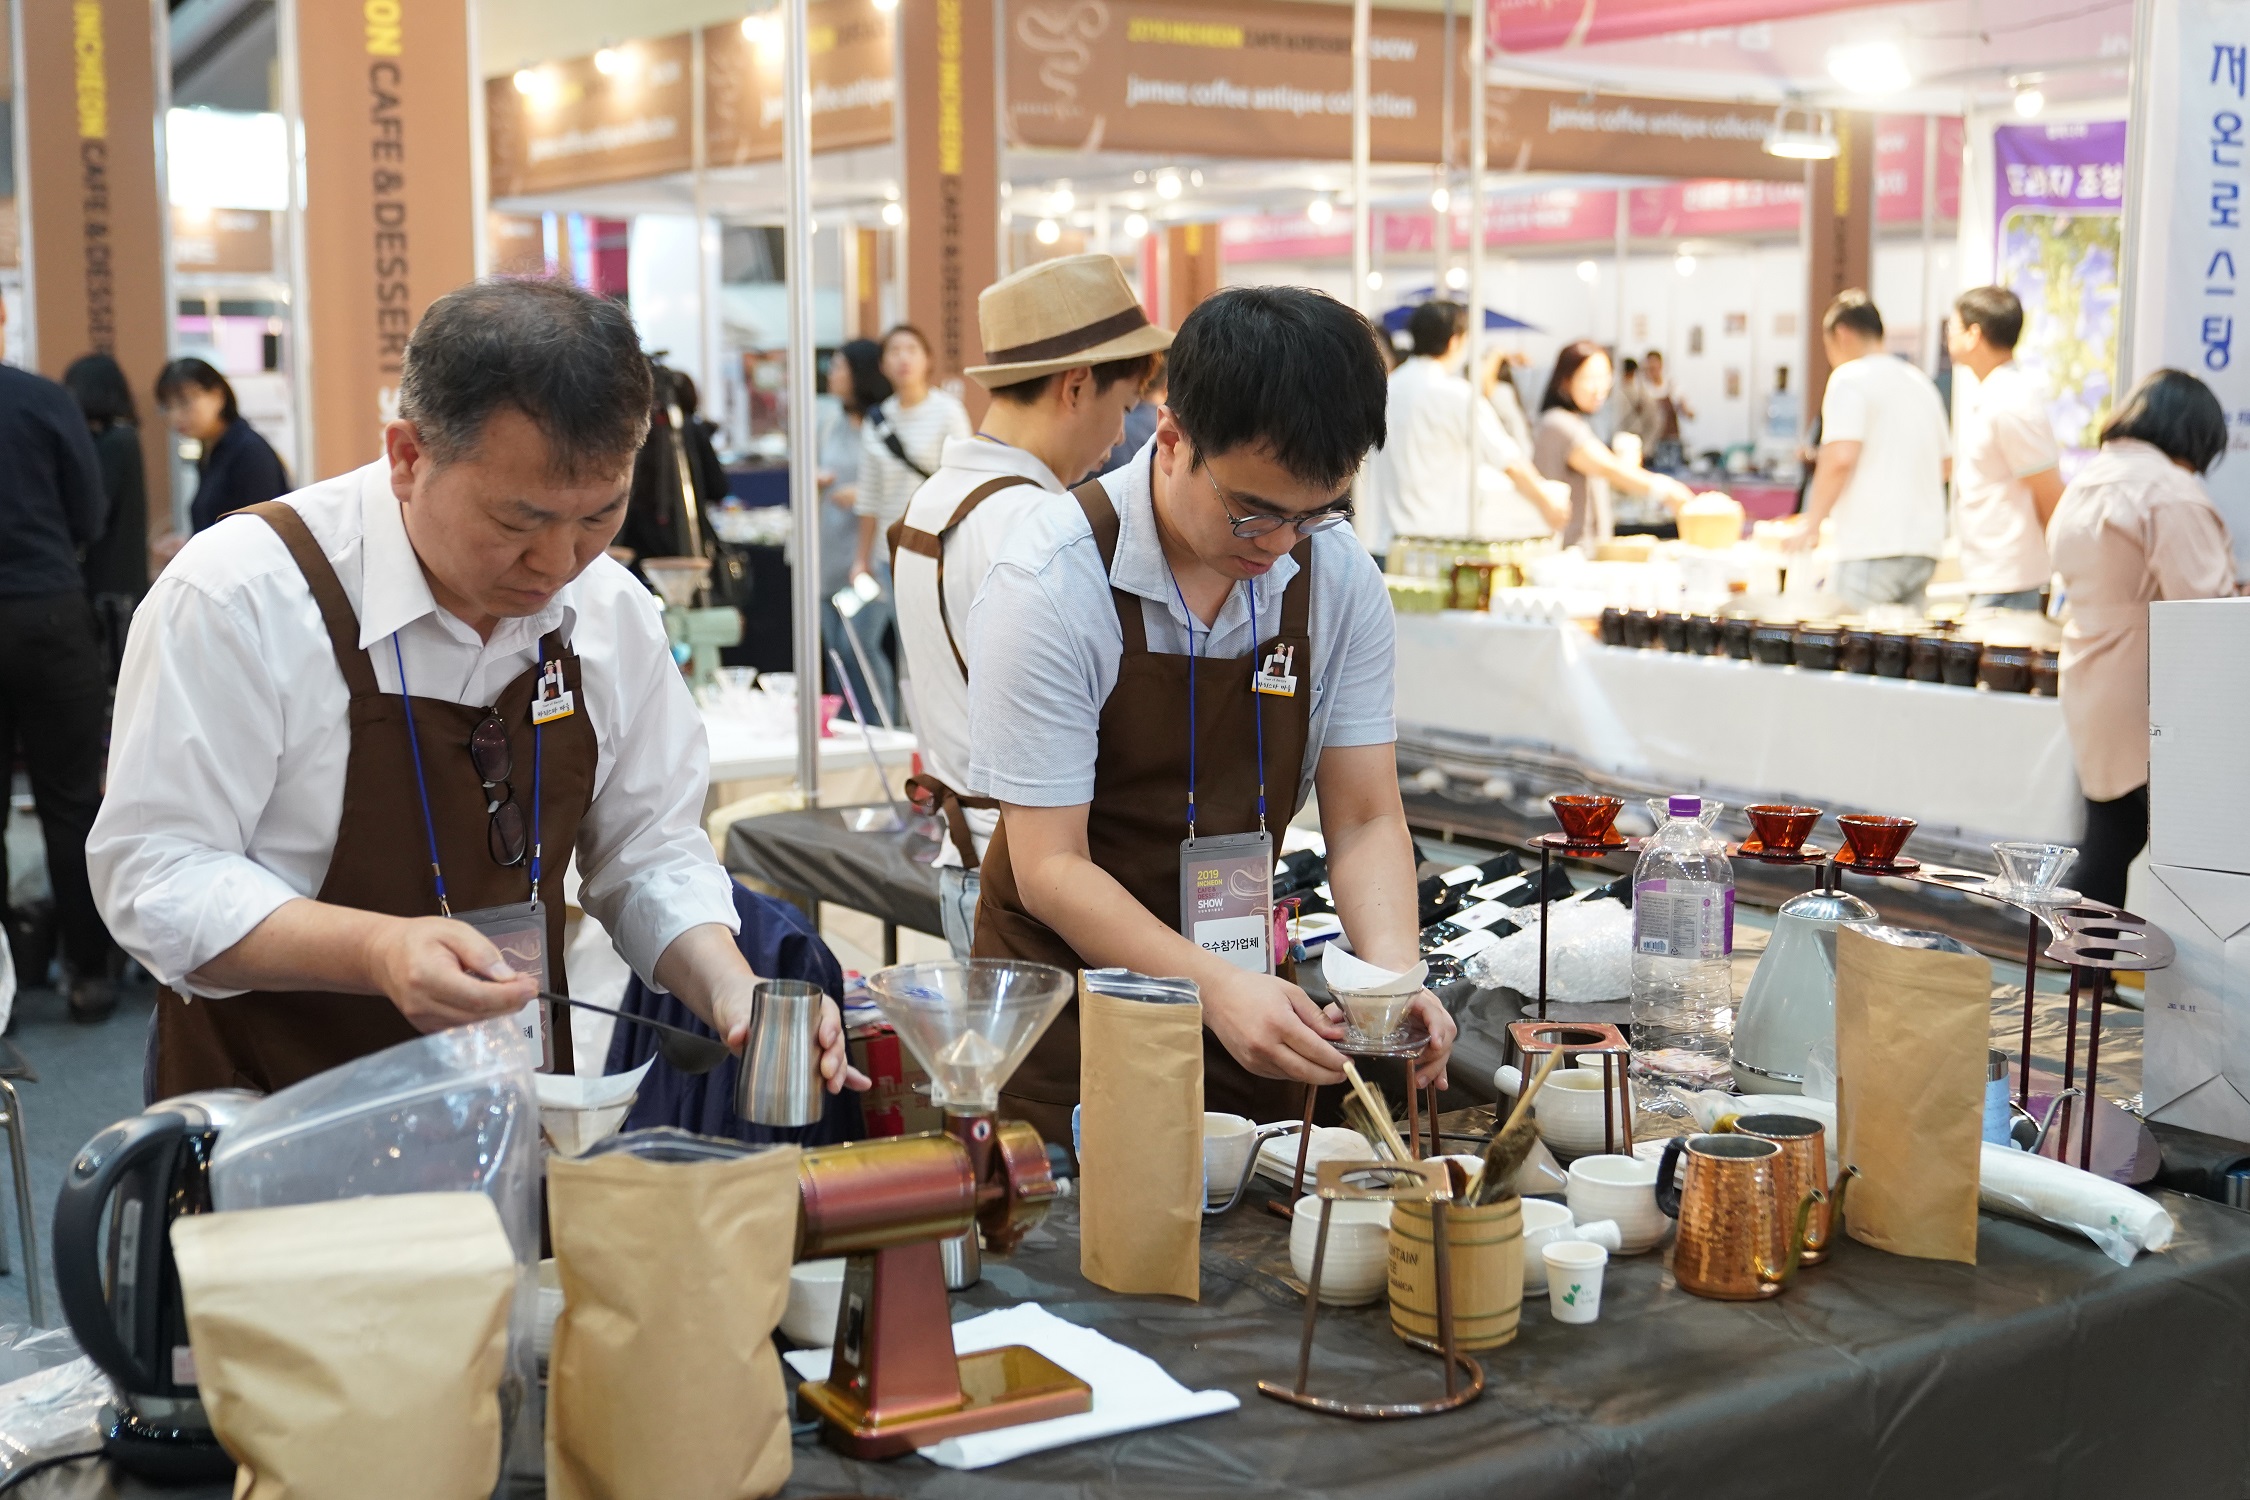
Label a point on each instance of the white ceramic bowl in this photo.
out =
(1544, 1221)
(816, 1289)
(1226, 1147)
(1568, 1112)
(1357, 1264)
(1622, 1188)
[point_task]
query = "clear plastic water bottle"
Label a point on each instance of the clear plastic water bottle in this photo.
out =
(1683, 940)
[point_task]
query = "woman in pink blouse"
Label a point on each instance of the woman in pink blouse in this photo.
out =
(2135, 526)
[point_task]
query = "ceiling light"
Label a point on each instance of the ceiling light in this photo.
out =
(1195, 177)
(1320, 210)
(1048, 232)
(886, 6)
(1168, 185)
(1684, 263)
(1136, 225)
(609, 62)
(1869, 67)
(1374, 281)
(1457, 277)
(1063, 200)
(1588, 272)
(527, 82)
(761, 30)
(2029, 101)
(1440, 199)
(1140, 176)
(1801, 134)
(893, 215)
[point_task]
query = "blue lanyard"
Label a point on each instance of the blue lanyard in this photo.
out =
(1257, 699)
(422, 789)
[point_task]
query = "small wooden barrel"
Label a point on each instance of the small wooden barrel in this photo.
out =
(1486, 1250)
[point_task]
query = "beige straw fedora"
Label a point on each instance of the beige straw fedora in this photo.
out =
(1060, 314)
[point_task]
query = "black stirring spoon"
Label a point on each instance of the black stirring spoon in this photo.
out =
(684, 1050)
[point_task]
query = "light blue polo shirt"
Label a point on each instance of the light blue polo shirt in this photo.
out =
(1044, 644)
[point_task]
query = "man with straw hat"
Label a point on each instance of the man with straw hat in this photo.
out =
(1069, 351)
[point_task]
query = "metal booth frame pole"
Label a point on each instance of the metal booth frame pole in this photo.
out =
(1478, 62)
(804, 487)
(1362, 211)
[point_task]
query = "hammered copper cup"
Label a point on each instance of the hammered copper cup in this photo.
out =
(1799, 1174)
(1586, 819)
(1874, 840)
(1782, 827)
(1735, 1243)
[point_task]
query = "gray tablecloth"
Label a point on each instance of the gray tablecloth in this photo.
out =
(2044, 1370)
(813, 854)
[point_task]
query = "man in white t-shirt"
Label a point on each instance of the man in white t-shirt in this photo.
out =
(1069, 353)
(1884, 459)
(1420, 476)
(2007, 482)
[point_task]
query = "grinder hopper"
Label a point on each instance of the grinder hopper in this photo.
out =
(894, 1382)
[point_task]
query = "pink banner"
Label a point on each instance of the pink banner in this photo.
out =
(1536, 25)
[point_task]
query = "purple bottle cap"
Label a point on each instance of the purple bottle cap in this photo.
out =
(1685, 807)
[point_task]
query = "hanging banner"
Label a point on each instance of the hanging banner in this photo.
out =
(2190, 259)
(95, 221)
(390, 217)
(2059, 198)
(1841, 242)
(950, 153)
(1536, 25)
(1540, 130)
(569, 123)
(850, 58)
(1269, 79)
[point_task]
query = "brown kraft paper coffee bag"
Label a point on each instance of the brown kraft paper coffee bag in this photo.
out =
(352, 1350)
(1140, 1133)
(664, 1380)
(1913, 1012)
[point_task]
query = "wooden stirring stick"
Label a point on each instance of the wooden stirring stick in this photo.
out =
(1380, 1112)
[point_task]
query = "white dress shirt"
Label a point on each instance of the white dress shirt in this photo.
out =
(2003, 438)
(1421, 473)
(227, 756)
(941, 693)
(1894, 503)
(1044, 646)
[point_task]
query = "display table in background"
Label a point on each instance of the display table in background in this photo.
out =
(1969, 765)
(753, 753)
(814, 856)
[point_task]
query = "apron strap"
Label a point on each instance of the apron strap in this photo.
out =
(1101, 515)
(924, 790)
(327, 591)
(1296, 600)
(932, 545)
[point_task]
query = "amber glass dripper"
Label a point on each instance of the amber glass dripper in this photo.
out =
(1875, 840)
(1782, 827)
(1586, 819)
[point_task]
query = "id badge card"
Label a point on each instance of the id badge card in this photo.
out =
(1226, 898)
(519, 931)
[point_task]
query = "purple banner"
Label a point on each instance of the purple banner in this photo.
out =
(2079, 166)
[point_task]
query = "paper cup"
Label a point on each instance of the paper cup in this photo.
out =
(1574, 1280)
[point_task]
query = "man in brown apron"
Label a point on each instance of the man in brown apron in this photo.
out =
(362, 730)
(1067, 350)
(1158, 678)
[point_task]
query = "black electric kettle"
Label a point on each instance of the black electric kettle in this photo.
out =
(119, 1289)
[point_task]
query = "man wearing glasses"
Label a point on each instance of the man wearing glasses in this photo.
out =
(361, 730)
(1160, 674)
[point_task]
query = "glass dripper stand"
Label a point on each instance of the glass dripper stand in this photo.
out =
(971, 1023)
(2033, 872)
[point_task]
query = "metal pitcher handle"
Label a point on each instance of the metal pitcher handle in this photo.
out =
(1779, 1276)
(1667, 1191)
(1835, 1197)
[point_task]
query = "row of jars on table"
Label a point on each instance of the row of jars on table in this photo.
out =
(1935, 654)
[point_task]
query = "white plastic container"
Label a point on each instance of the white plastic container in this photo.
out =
(1683, 942)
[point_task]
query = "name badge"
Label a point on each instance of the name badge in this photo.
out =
(1226, 898)
(519, 931)
(552, 701)
(1277, 674)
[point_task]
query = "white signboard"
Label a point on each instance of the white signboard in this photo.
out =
(2191, 266)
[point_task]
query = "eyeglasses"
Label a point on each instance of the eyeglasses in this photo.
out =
(1335, 513)
(495, 761)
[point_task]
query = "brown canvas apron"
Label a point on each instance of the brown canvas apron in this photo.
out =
(268, 1040)
(1139, 816)
(927, 791)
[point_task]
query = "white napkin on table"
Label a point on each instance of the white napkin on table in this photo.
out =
(1131, 1391)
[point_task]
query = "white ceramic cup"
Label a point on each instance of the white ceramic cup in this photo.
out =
(1574, 1280)
(1622, 1188)
(1226, 1147)
(815, 1289)
(1544, 1222)
(1356, 1266)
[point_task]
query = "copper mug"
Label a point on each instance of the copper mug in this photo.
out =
(1735, 1242)
(1802, 1170)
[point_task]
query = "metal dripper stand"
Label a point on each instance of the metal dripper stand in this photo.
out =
(700, 632)
(895, 1382)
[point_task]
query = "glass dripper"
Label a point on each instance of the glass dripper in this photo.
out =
(969, 1024)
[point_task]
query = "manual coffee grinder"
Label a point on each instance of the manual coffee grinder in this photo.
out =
(895, 1382)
